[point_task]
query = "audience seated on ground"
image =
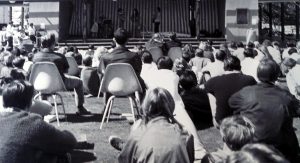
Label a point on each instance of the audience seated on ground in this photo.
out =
(149, 68)
(158, 137)
(216, 68)
(188, 49)
(275, 53)
(71, 82)
(292, 76)
(18, 64)
(249, 64)
(222, 87)
(239, 52)
(236, 131)
(195, 100)
(173, 41)
(207, 51)
(169, 80)
(73, 52)
(25, 136)
(270, 109)
(199, 61)
(256, 153)
(91, 50)
(180, 65)
(89, 77)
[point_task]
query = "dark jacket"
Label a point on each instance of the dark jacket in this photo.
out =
(25, 137)
(271, 110)
(48, 56)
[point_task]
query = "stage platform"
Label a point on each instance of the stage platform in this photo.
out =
(80, 44)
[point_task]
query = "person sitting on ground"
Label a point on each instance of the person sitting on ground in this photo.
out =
(157, 41)
(188, 49)
(25, 137)
(271, 109)
(89, 77)
(249, 64)
(91, 50)
(216, 68)
(239, 52)
(47, 54)
(169, 80)
(157, 137)
(73, 52)
(292, 76)
(232, 46)
(149, 68)
(173, 42)
(236, 131)
(207, 51)
(195, 100)
(8, 62)
(180, 66)
(199, 61)
(258, 153)
(290, 45)
(28, 62)
(220, 88)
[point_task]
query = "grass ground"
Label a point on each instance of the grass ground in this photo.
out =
(102, 151)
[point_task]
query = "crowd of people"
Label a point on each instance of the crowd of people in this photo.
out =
(249, 92)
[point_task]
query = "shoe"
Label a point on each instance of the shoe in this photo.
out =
(116, 142)
(49, 118)
(82, 111)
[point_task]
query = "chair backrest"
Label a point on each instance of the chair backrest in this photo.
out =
(45, 78)
(156, 53)
(174, 53)
(120, 80)
(73, 67)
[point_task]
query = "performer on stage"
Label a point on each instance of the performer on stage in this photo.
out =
(156, 19)
(135, 18)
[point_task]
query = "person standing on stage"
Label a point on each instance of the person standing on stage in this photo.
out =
(121, 18)
(156, 19)
(135, 18)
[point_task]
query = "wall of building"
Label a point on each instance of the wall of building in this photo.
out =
(235, 31)
(45, 13)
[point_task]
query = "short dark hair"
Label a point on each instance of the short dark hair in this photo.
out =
(18, 62)
(251, 45)
(30, 56)
(267, 43)
(164, 63)
(232, 63)
(188, 80)
(248, 52)
(240, 45)
(91, 46)
(71, 49)
(87, 60)
(268, 70)
(292, 50)
(18, 93)
(199, 52)
(121, 36)
(221, 55)
(48, 40)
(232, 45)
(291, 44)
(173, 36)
(147, 57)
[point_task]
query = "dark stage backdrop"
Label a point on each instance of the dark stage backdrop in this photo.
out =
(175, 14)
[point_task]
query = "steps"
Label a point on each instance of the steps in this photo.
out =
(133, 42)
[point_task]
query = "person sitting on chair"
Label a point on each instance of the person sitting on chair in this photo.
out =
(25, 137)
(47, 54)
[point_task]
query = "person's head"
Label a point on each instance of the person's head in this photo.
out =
(158, 102)
(248, 52)
(91, 47)
(287, 64)
(165, 63)
(100, 51)
(8, 60)
(17, 74)
(232, 63)
(48, 41)
(31, 24)
(157, 37)
(275, 44)
(256, 153)
(78, 58)
(30, 56)
(18, 93)
(267, 43)
(87, 60)
(147, 57)
(292, 51)
(186, 57)
(199, 52)
(291, 44)
(188, 80)
(221, 55)
(173, 36)
(188, 48)
(232, 45)
(70, 49)
(240, 45)
(18, 62)
(121, 36)
(268, 70)
(250, 45)
(237, 131)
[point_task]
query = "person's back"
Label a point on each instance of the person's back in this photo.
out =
(199, 61)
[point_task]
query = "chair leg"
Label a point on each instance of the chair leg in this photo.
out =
(56, 111)
(137, 102)
(110, 107)
(63, 105)
(99, 92)
(132, 109)
(37, 95)
(105, 111)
